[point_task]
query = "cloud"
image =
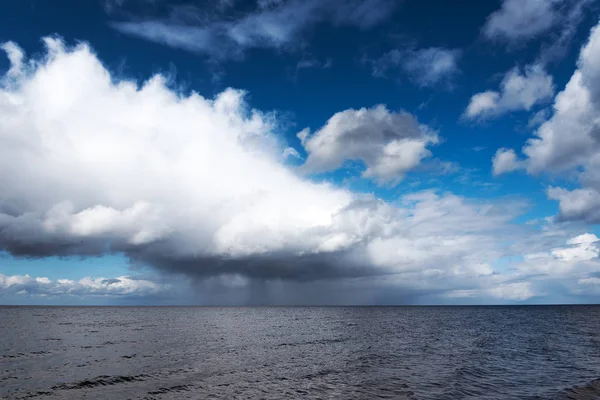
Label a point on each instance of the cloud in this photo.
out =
(389, 143)
(92, 164)
(579, 253)
(517, 291)
(577, 204)
(568, 143)
(539, 118)
(522, 19)
(426, 67)
(575, 112)
(15, 56)
(519, 90)
(122, 286)
(291, 152)
(505, 160)
(313, 63)
(584, 248)
(272, 24)
(557, 44)
(554, 22)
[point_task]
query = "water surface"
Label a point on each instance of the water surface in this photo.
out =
(546, 352)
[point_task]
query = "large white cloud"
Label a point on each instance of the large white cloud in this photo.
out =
(569, 142)
(91, 164)
(88, 159)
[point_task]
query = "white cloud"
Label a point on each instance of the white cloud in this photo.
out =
(522, 19)
(513, 291)
(518, 291)
(15, 56)
(505, 160)
(389, 143)
(273, 24)
(539, 118)
(482, 103)
(578, 256)
(552, 22)
(430, 66)
(427, 67)
(583, 248)
(519, 90)
(313, 63)
(91, 164)
(569, 141)
(590, 281)
(42, 286)
(89, 159)
(291, 152)
(578, 204)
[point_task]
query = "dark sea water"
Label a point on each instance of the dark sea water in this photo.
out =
(273, 353)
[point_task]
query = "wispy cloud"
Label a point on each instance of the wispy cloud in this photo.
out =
(271, 24)
(522, 19)
(554, 22)
(426, 67)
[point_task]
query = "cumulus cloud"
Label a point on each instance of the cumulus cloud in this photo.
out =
(389, 143)
(426, 67)
(272, 24)
(577, 204)
(505, 160)
(519, 90)
(569, 141)
(575, 112)
(91, 164)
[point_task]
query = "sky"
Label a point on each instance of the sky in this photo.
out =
(299, 152)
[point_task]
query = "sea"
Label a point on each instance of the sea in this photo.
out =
(514, 352)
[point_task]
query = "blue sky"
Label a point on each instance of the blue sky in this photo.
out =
(299, 152)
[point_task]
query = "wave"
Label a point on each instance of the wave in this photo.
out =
(102, 380)
(589, 391)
